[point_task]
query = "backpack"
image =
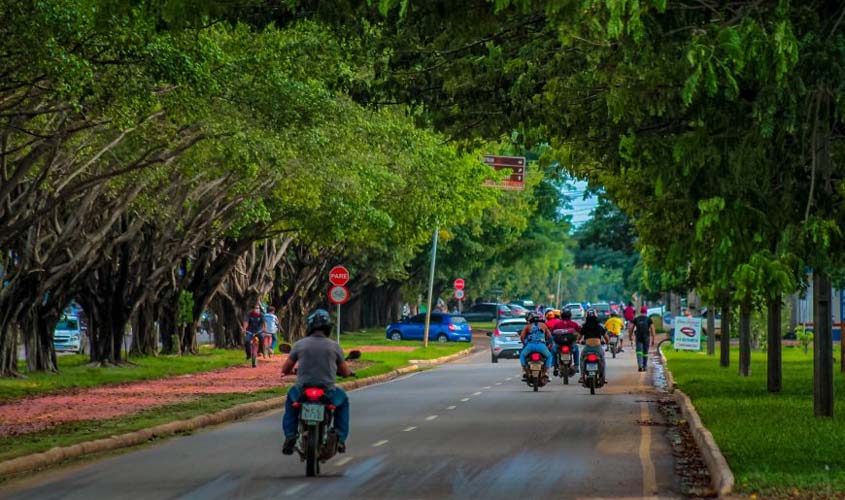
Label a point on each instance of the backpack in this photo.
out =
(641, 326)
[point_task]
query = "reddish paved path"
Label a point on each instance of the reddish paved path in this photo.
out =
(36, 413)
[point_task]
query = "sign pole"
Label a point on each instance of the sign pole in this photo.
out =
(430, 285)
(338, 324)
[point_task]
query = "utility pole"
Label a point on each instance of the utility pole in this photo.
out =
(431, 285)
(557, 294)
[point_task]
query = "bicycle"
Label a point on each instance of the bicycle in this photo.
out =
(268, 345)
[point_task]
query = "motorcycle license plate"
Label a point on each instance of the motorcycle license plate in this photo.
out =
(592, 367)
(614, 340)
(535, 366)
(565, 358)
(313, 413)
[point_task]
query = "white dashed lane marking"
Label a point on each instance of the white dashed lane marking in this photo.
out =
(343, 461)
(409, 429)
(476, 393)
(296, 489)
(431, 417)
(465, 400)
(498, 383)
(451, 407)
(486, 387)
(380, 443)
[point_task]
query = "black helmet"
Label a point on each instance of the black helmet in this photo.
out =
(319, 319)
(566, 314)
(533, 318)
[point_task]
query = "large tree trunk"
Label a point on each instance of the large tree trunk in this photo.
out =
(822, 346)
(40, 322)
(725, 344)
(773, 351)
(711, 330)
(745, 338)
(168, 330)
(144, 337)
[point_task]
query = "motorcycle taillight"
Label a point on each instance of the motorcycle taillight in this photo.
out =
(592, 358)
(535, 356)
(314, 393)
(564, 349)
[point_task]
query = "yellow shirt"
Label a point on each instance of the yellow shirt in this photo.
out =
(614, 325)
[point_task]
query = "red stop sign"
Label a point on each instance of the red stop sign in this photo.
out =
(459, 284)
(339, 276)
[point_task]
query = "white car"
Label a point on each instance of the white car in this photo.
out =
(576, 309)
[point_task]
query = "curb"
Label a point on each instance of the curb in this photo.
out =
(721, 476)
(57, 455)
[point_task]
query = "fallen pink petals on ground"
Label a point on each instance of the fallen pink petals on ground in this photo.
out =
(37, 413)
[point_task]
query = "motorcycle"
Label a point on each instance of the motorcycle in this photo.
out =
(592, 371)
(614, 345)
(253, 348)
(536, 371)
(318, 440)
(563, 342)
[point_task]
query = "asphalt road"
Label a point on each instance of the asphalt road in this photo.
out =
(470, 429)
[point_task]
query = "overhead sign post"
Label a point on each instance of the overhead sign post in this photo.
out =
(338, 294)
(515, 165)
(687, 334)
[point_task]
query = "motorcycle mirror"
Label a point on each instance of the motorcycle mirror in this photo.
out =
(354, 355)
(285, 348)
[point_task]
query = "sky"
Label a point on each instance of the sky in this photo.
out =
(581, 209)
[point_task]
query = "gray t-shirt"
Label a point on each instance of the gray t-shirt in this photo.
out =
(318, 357)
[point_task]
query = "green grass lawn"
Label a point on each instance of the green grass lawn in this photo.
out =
(74, 372)
(772, 442)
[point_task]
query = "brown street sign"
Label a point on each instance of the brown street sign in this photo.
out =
(515, 164)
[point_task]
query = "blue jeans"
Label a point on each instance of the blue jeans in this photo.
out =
(536, 347)
(273, 343)
(642, 346)
(247, 346)
(290, 420)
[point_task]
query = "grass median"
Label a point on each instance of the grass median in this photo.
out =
(773, 443)
(75, 374)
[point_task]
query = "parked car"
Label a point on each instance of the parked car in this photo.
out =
(487, 312)
(443, 328)
(526, 303)
(602, 310)
(67, 335)
(517, 310)
(576, 309)
(504, 339)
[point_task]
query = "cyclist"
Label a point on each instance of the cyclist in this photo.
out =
(253, 325)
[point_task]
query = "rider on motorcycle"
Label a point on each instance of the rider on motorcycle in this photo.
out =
(535, 336)
(568, 324)
(592, 334)
(614, 326)
(320, 361)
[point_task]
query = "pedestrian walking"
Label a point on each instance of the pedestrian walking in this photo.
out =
(643, 331)
(271, 326)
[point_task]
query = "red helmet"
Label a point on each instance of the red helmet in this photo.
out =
(644, 310)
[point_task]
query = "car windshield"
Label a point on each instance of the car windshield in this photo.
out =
(511, 327)
(602, 307)
(458, 320)
(67, 324)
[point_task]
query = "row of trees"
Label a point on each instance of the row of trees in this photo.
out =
(715, 126)
(161, 159)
